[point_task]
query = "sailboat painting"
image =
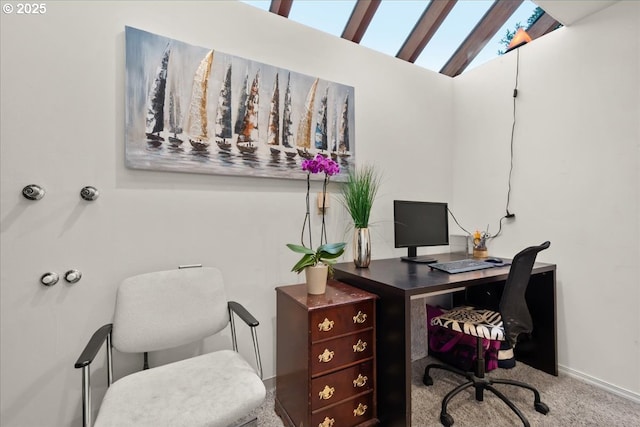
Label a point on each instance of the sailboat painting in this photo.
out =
(198, 110)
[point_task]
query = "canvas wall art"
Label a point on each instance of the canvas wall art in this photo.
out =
(198, 110)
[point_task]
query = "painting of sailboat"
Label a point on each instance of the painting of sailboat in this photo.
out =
(224, 131)
(343, 131)
(273, 131)
(198, 122)
(248, 132)
(181, 98)
(321, 141)
(287, 123)
(175, 118)
(155, 100)
(303, 141)
(242, 104)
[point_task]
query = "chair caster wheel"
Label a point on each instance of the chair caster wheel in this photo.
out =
(427, 380)
(541, 407)
(446, 419)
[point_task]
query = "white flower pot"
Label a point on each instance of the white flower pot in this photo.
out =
(316, 279)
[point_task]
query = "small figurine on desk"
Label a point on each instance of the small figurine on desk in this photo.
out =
(480, 244)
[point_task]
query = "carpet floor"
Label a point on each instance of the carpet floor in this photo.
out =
(572, 402)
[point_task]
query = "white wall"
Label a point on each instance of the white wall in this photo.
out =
(62, 113)
(575, 179)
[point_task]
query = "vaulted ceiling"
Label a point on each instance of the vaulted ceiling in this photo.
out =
(427, 25)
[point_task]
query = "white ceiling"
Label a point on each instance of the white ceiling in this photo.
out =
(569, 11)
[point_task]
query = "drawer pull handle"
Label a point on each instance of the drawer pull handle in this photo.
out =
(360, 317)
(360, 346)
(326, 356)
(328, 422)
(361, 381)
(327, 393)
(325, 326)
(360, 410)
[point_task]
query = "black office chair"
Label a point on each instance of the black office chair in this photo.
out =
(512, 320)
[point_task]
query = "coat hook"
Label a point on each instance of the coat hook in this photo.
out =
(73, 276)
(49, 279)
(33, 192)
(89, 193)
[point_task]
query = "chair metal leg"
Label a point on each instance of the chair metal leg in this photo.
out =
(537, 403)
(256, 349)
(453, 394)
(445, 418)
(86, 396)
(536, 394)
(510, 404)
(234, 340)
(254, 336)
(251, 423)
(109, 361)
(86, 374)
(480, 384)
(427, 380)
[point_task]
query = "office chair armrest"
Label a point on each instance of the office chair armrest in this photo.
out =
(251, 321)
(84, 361)
(93, 346)
(243, 313)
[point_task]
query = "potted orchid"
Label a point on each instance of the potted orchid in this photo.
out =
(317, 264)
(325, 254)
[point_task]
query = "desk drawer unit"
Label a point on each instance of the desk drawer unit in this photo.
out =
(353, 412)
(326, 368)
(338, 352)
(332, 322)
(343, 384)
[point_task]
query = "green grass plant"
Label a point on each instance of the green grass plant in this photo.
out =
(359, 193)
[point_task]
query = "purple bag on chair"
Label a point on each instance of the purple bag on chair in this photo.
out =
(458, 349)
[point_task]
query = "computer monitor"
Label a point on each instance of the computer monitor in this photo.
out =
(419, 224)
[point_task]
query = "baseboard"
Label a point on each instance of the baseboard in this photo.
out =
(627, 394)
(270, 383)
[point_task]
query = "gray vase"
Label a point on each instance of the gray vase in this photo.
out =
(361, 247)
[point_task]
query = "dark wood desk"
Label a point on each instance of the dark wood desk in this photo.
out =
(396, 282)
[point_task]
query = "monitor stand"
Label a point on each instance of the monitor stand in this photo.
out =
(412, 257)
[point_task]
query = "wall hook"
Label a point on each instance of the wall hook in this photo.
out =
(89, 193)
(72, 276)
(49, 279)
(33, 192)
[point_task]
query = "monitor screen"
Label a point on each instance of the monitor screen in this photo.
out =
(420, 224)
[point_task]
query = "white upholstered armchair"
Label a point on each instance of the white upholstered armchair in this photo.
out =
(167, 309)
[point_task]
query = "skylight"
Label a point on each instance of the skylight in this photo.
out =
(329, 16)
(391, 25)
(464, 16)
(490, 51)
(395, 19)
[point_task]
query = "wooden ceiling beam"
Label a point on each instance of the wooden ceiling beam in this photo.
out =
(281, 7)
(490, 23)
(543, 25)
(425, 28)
(360, 19)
